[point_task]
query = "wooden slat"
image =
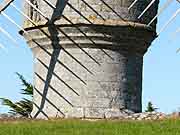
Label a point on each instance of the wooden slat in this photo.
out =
(5, 5)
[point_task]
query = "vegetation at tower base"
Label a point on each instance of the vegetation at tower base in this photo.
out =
(150, 107)
(24, 106)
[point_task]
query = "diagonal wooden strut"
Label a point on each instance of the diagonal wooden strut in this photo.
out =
(5, 4)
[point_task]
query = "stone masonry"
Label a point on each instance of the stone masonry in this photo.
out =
(88, 56)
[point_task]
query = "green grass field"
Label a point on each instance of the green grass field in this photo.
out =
(78, 127)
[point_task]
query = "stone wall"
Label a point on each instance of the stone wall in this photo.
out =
(89, 63)
(123, 115)
(93, 11)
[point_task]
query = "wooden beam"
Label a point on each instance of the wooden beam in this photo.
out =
(5, 4)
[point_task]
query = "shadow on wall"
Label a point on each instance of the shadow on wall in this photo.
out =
(60, 5)
(53, 35)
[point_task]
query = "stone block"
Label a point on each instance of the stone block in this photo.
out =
(95, 113)
(115, 114)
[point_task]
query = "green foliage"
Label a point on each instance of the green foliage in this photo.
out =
(150, 107)
(24, 106)
(28, 90)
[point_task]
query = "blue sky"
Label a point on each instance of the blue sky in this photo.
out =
(161, 72)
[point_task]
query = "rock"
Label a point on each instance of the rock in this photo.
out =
(129, 112)
(175, 115)
(10, 116)
(115, 114)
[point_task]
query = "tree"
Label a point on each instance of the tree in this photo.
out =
(150, 107)
(24, 106)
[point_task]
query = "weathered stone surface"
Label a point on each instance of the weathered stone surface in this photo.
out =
(88, 60)
(95, 113)
(73, 112)
(93, 11)
(115, 114)
(84, 79)
(6, 116)
(99, 113)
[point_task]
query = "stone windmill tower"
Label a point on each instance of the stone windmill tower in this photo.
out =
(88, 55)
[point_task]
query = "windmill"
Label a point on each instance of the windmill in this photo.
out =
(89, 55)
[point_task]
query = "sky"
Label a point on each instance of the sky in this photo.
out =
(161, 70)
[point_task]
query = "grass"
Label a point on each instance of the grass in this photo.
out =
(82, 127)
